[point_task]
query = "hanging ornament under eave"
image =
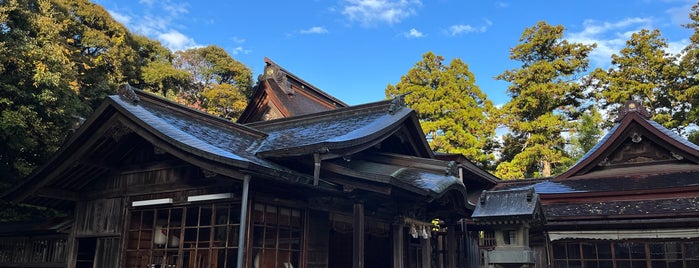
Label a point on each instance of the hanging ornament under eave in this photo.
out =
(413, 231)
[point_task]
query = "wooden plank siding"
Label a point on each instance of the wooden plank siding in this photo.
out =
(101, 217)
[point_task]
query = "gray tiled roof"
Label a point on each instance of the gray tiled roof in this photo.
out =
(621, 208)
(331, 130)
(506, 203)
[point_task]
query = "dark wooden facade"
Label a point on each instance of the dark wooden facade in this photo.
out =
(631, 201)
(149, 183)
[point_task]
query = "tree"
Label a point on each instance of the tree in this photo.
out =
(209, 68)
(58, 60)
(645, 72)
(455, 114)
(586, 134)
(689, 66)
(38, 87)
(545, 99)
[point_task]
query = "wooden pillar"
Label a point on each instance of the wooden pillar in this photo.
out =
(451, 246)
(398, 247)
(358, 236)
(426, 252)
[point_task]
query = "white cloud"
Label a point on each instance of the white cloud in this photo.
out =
(240, 50)
(238, 40)
(372, 12)
(161, 26)
(502, 4)
(176, 40)
(315, 30)
(122, 18)
(414, 33)
(610, 37)
(679, 15)
(466, 28)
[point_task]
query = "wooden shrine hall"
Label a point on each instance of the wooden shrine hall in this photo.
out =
(302, 181)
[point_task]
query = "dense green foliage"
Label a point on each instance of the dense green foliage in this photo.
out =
(545, 100)
(642, 71)
(454, 113)
(59, 59)
(217, 83)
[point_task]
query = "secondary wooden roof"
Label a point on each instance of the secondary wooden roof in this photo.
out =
(280, 94)
(639, 171)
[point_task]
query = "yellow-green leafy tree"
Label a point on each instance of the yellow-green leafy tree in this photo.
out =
(645, 72)
(454, 113)
(545, 98)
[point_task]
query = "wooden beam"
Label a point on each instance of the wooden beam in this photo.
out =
(59, 194)
(358, 236)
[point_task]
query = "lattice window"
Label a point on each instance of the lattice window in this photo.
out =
(633, 253)
(191, 236)
(276, 236)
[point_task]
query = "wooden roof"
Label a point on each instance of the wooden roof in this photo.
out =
(280, 94)
(640, 171)
(281, 150)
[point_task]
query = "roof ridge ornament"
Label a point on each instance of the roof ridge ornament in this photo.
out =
(397, 103)
(127, 91)
(272, 71)
(632, 107)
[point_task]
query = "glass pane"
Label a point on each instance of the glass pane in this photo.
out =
(221, 215)
(588, 250)
(205, 216)
(604, 250)
(559, 251)
(658, 264)
(657, 251)
(192, 216)
(573, 251)
(591, 264)
(691, 250)
(621, 251)
(638, 250)
(639, 264)
(605, 264)
(560, 264)
(623, 264)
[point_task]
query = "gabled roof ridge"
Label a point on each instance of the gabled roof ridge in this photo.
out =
(183, 109)
(307, 84)
(630, 117)
(367, 108)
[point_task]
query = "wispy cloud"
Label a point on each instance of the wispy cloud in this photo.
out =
(240, 50)
(459, 29)
(152, 22)
(314, 30)
(372, 12)
(122, 18)
(502, 4)
(414, 33)
(610, 37)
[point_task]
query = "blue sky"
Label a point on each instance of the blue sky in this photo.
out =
(353, 48)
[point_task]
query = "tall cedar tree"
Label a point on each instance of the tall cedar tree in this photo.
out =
(643, 71)
(545, 99)
(454, 113)
(219, 85)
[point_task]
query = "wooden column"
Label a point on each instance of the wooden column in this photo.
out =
(426, 252)
(358, 236)
(451, 246)
(398, 234)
